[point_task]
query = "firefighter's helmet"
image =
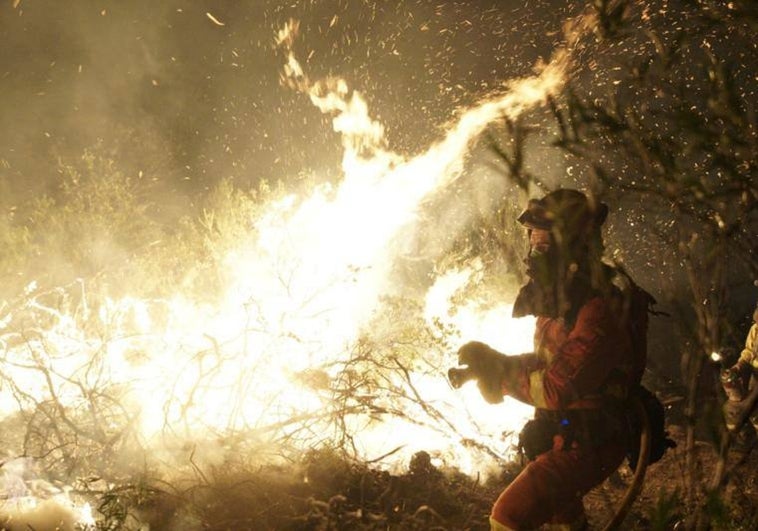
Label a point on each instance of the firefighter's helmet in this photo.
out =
(567, 212)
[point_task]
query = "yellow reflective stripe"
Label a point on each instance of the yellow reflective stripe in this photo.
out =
(545, 354)
(497, 526)
(536, 388)
(578, 525)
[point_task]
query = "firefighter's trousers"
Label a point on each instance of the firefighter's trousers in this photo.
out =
(550, 489)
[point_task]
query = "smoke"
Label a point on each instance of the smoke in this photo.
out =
(45, 514)
(32, 503)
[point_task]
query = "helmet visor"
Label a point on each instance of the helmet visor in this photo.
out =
(536, 216)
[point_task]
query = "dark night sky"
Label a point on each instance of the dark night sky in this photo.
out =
(187, 101)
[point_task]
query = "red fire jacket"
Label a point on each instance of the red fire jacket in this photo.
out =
(578, 367)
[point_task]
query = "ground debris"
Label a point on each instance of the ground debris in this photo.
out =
(326, 491)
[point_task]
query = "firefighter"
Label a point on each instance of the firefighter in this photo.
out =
(584, 364)
(734, 378)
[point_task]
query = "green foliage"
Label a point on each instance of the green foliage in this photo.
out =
(228, 215)
(130, 504)
(666, 511)
(15, 241)
(491, 238)
(112, 229)
(94, 221)
(225, 224)
(717, 510)
(675, 127)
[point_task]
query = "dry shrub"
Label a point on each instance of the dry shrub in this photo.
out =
(325, 490)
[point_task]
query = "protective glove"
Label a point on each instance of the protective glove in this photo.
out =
(732, 384)
(489, 367)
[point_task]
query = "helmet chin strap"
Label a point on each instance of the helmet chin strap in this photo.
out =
(557, 285)
(533, 299)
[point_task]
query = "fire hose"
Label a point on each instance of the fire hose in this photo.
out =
(743, 408)
(640, 468)
(460, 375)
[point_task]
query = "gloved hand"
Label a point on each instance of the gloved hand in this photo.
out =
(732, 384)
(488, 366)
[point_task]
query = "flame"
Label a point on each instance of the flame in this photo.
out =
(303, 285)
